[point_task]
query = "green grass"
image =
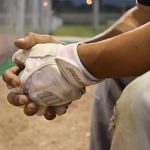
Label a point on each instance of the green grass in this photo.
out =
(79, 30)
(5, 66)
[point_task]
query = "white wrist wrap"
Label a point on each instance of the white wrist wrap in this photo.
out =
(89, 76)
(71, 67)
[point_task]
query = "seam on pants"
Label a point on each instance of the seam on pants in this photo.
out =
(113, 120)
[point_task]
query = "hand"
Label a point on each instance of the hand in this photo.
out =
(12, 80)
(51, 74)
(41, 79)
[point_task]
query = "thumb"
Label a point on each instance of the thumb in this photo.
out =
(32, 39)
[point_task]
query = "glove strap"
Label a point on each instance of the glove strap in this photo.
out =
(71, 67)
(88, 75)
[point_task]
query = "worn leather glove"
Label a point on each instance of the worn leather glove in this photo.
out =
(52, 74)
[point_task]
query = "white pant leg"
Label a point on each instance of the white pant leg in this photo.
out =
(105, 97)
(132, 117)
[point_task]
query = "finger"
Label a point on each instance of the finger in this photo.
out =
(31, 109)
(32, 39)
(50, 113)
(60, 110)
(41, 110)
(44, 38)
(13, 99)
(17, 100)
(11, 78)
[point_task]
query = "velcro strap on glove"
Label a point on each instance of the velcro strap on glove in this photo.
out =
(72, 73)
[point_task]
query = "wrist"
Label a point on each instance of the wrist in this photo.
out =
(84, 70)
(72, 68)
(88, 55)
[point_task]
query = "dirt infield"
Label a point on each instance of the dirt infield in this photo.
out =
(68, 132)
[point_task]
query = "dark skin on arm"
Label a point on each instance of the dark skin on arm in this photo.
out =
(125, 55)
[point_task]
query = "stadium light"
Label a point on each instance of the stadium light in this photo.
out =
(89, 2)
(45, 3)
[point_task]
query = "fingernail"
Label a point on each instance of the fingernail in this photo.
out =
(23, 101)
(31, 107)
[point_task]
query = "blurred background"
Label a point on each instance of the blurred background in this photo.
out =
(81, 18)
(70, 21)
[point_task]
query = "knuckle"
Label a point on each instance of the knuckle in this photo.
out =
(10, 98)
(30, 111)
(30, 34)
(13, 99)
(6, 76)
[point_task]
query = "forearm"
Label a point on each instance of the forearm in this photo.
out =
(125, 55)
(122, 25)
(104, 35)
(132, 19)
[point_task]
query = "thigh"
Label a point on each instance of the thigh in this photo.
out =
(131, 118)
(105, 98)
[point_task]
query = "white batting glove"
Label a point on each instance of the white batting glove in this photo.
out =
(53, 74)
